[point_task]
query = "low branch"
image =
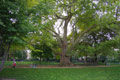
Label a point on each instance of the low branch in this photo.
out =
(82, 34)
(59, 17)
(60, 26)
(74, 31)
(56, 35)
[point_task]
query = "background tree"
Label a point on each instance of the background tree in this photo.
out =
(98, 36)
(42, 51)
(18, 55)
(14, 26)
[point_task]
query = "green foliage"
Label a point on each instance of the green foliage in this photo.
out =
(107, 48)
(42, 50)
(30, 23)
(43, 13)
(14, 22)
(85, 50)
(19, 54)
(32, 3)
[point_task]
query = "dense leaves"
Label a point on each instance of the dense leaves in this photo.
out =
(65, 27)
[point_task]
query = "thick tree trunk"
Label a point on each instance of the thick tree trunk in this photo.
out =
(65, 60)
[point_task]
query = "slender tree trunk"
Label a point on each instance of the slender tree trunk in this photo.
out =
(40, 59)
(95, 58)
(4, 57)
(8, 57)
(85, 59)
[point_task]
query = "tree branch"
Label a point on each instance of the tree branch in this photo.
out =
(56, 35)
(60, 17)
(82, 34)
(73, 30)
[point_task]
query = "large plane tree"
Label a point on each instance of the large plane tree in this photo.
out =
(66, 18)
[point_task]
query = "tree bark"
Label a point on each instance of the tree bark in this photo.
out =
(95, 58)
(85, 59)
(65, 60)
(4, 57)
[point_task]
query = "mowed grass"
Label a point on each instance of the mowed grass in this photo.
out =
(106, 73)
(9, 63)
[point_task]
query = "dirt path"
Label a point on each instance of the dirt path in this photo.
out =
(6, 79)
(57, 66)
(68, 66)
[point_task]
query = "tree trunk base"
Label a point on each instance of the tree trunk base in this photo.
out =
(65, 61)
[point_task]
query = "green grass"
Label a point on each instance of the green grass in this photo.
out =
(9, 63)
(28, 63)
(107, 73)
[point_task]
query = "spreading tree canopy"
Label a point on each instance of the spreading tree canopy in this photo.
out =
(69, 21)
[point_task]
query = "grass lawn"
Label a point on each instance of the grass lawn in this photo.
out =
(106, 73)
(9, 63)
